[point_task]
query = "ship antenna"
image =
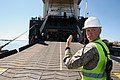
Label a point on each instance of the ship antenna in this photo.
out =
(86, 9)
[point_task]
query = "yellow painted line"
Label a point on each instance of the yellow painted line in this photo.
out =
(117, 74)
(2, 70)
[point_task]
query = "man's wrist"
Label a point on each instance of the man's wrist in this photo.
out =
(67, 48)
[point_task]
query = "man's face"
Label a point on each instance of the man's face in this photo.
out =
(92, 33)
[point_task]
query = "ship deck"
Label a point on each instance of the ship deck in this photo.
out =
(43, 62)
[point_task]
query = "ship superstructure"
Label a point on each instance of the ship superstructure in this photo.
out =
(67, 8)
(60, 19)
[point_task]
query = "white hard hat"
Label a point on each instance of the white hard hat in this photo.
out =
(92, 22)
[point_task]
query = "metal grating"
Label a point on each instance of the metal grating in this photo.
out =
(42, 62)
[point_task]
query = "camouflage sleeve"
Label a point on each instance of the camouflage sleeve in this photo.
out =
(78, 59)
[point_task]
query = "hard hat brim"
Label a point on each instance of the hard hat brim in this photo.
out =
(91, 27)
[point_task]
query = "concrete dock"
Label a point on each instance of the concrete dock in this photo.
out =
(43, 62)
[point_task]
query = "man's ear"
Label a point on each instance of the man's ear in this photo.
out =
(100, 30)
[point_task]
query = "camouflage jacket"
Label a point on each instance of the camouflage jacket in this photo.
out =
(87, 57)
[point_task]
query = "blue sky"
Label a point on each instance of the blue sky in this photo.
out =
(15, 16)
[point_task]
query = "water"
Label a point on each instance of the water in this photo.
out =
(14, 45)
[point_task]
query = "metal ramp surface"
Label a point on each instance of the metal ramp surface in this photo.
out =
(43, 62)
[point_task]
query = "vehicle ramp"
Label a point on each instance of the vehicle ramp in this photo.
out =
(43, 62)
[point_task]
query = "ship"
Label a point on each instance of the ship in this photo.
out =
(61, 18)
(42, 58)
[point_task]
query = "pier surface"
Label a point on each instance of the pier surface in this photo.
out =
(43, 62)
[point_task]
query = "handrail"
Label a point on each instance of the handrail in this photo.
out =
(16, 38)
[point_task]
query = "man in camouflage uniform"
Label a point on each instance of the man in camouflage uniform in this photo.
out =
(92, 56)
